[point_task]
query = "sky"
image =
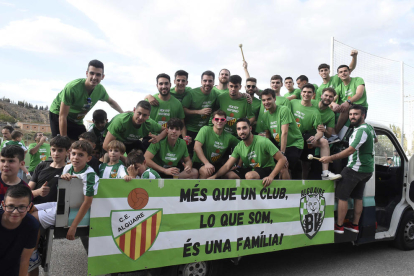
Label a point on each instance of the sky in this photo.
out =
(46, 44)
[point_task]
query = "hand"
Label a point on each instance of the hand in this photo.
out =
(321, 128)
(67, 176)
(335, 107)
(71, 233)
(354, 53)
(210, 168)
(44, 190)
(187, 169)
(132, 171)
(325, 159)
(154, 138)
(188, 139)
(263, 134)
(43, 139)
(267, 181)
(171, 171)
(204, 111)
(311, 139)
(286, 163)
(152, 100)
(127, 178)
(248, 97)
(244, 64)
(212, 177)
(344, 107)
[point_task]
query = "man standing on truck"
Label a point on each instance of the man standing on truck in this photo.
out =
(358, 171)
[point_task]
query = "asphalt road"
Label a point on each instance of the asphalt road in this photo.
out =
(69, 258)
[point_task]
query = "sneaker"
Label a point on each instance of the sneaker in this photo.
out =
(351, 227)
(333, 139)
(338, 229)
(331, 176)
(35, 260)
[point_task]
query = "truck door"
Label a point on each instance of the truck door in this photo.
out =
(410, 182)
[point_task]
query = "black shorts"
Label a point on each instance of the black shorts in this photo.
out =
(263, 172)
(352, 184)
(138, 145)
(166, 176)
(73, 129)
(292, 155)
(306, 151)
(198, 165)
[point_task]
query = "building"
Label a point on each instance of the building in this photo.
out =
(33, 127)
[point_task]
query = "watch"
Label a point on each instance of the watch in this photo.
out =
(349, 101)
(282, 152)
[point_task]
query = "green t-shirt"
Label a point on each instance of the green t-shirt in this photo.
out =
(197, 100)
(75, 95)
(220, 91)
(295, 92)
(214, 145)
(327, 115)
(282, 116)
(256, 105)
(362, 160)
(166, 156)
(41, 155)
(122, 128)
(307, 118)
(258, 155)
(346, 92)
(234, 109)
(180, 97)
(166, 110)
(333, 82)
(280, 101)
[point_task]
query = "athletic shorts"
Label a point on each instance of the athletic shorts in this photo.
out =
(292, 155)
(198, 165)
(73, 129)
(263, 172)
(166, 176)
(47, 214)
(306, 150)
(352, 184)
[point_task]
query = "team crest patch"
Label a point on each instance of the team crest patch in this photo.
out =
(134, 231)
(312, 211)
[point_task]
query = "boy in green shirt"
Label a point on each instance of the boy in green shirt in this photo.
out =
(165, 156)
(137, 167)
(16, 141)
(38, 151)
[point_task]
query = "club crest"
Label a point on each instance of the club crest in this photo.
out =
(312, 212)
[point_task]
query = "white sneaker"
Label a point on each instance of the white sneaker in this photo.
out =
(35, 260)
(331, 176)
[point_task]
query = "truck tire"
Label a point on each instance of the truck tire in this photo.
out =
(210, 268)
(404, 239)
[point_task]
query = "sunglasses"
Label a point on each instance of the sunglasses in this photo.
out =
(220, 119)
(251, 86)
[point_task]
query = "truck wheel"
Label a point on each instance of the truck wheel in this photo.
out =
(404, 239)
(211, 268)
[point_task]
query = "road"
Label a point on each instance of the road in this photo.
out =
(69, 258)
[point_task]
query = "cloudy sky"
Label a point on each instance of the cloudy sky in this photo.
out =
(46, 44)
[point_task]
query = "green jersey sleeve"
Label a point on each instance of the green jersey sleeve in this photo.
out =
(270, 148)
(116, 127)
(154, 148)
(201, 135)
(236, 152)
(188, 98)
(360, 138)
(90, 184)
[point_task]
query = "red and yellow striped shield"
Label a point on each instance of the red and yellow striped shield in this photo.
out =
(136, 241)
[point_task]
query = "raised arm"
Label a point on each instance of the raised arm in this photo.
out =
(114, 105)
(246, 72)
(152, 100)
(352, 65)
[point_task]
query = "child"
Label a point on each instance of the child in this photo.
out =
(18, 231)
(16, 140)
(91, 139)
(81, 153)
(114, 168)
(10, 162)
(99, 128)
(137, 167)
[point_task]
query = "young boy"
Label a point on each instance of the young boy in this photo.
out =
(18, 231)
(16, 141)
(99, 127)
(91, 139)
(81, 153)
(114, 168)
(10, 161)
(137, 167)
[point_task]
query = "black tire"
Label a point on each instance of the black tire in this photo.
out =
(210, 268)
(404, 239)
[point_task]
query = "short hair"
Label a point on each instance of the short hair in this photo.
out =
(288, 78)
(240, 120)
(16, 134)
(60, 142)
(115, 144)
(10, 128)
(302, 78)
(83, 146)
(208, 73)
(38, 132)
(89, 136)
(219, 112)
(276, 77)
(96, 63)
(181, 73)
(134, 157)
(144, 104)
(323, 66)
(308, 85)
(19, 191)
(99, 115)
(360, 107)
(235, 79)
(224, 69)
(163, 75)
(269, 91)
(175, 123)
(13, 151)
(343, 66)
(330, 89)
(251, 79)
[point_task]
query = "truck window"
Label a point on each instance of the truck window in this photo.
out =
(385, 154)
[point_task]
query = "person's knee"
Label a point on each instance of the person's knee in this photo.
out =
(194, 173)
(324, 143)
(252, 175)
(231, 175)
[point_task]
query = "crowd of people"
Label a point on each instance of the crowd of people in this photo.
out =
(208, 132)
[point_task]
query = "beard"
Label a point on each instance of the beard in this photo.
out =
(164, 93)
(357, 123)
(246, 137)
